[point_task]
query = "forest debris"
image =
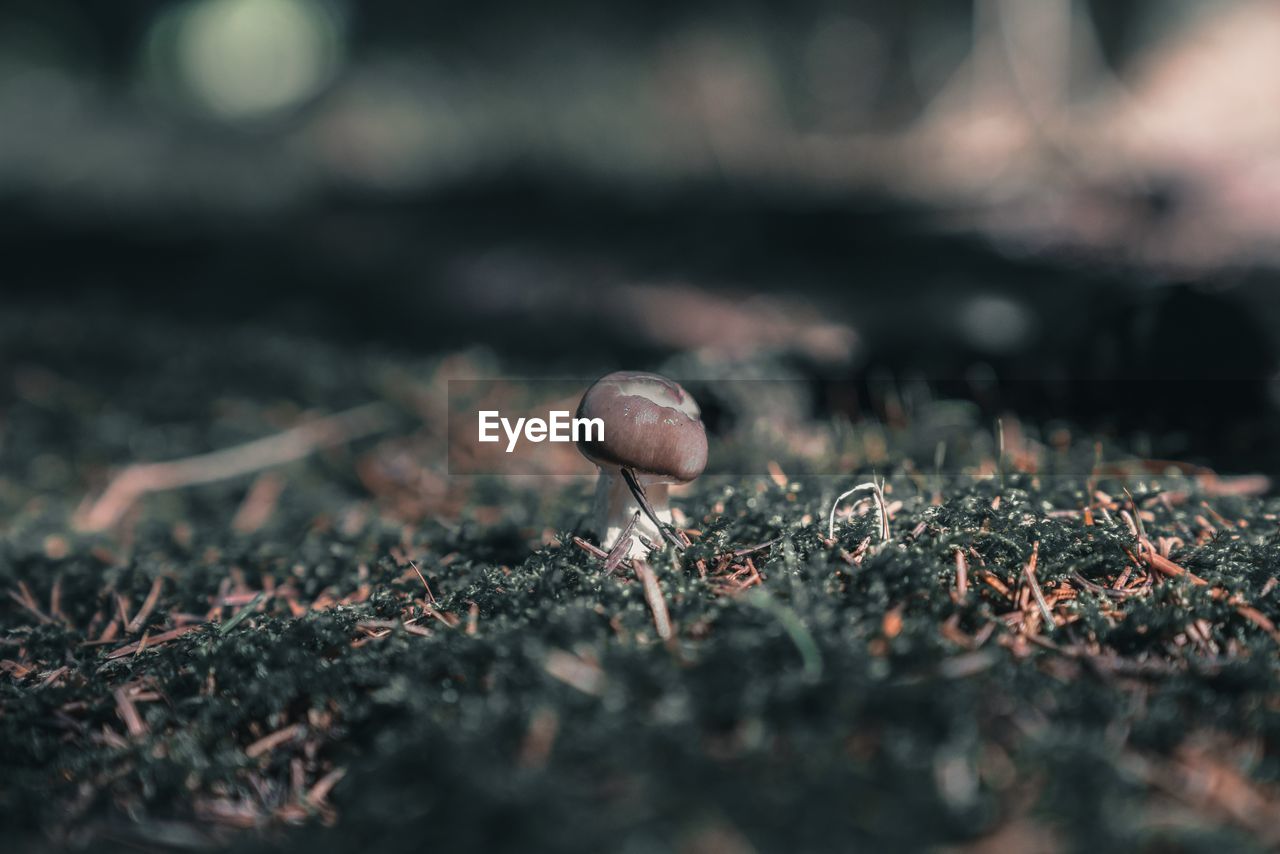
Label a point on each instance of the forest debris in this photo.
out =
(575, 671)
(878, 493)
(891, 624)
(270, 742)
(320, 791)
(153, 642)
(653, 596)
(55, 602)
(622, 547)
(1030, 572)
(758, 547)
(1163, 565)
(296, 443)
(129, 713)
(431, 597)
(148, 605)
(1203, 781)
(594, 551)
(53, 676)
(28, 604)
(539, 738)
(243, 614)
(236, 813)
(259, 503)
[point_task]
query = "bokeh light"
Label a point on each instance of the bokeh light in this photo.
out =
(245, 60)
(995, 324)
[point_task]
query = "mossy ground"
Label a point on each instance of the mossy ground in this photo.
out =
(817, 694)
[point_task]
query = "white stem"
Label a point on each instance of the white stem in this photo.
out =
(616, 506)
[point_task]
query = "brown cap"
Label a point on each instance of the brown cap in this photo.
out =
(651, 425)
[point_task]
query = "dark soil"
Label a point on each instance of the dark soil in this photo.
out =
(816, 695)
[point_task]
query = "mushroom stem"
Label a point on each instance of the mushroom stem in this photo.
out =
(616, 506)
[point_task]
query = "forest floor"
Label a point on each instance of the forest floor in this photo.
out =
(326, 642)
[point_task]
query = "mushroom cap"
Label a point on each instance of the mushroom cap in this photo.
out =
(651, 425)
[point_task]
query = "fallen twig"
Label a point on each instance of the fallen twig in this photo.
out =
(593, 550)
(539, 738)
(30, 607)
(1162, 564)
(880, 507)
(653, 596)
(129, 713)
(575, 671)
(55, 602)
(622, 547)
(258, 504)
(1030, 571)
(148, 605)
(1111, 592)
(153, 642)
(431, 597)
(270, 742)
(759, 547)
(293, 444)
(962, 574)
(320, 791)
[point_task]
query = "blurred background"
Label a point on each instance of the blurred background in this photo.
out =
(1060, 208)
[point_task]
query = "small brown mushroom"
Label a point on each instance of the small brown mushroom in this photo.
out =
(653, 433)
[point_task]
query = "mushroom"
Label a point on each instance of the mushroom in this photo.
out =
(652, 437)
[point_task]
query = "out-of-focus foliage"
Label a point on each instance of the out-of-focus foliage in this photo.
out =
(1060, 123)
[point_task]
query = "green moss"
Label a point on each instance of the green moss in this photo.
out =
(845, 703)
